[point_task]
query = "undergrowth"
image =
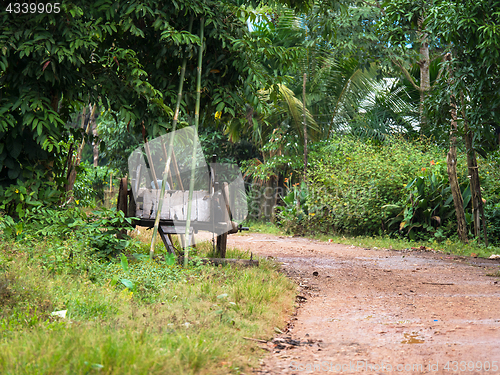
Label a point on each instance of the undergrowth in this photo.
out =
(167, 319)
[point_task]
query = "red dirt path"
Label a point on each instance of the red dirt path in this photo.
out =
(381, 311)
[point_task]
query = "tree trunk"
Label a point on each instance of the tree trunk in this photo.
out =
(475, 186)
(451, 162)
(95, 144)
(78, 158)
(424, 63)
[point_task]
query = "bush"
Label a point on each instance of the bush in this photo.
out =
(359, 187)
(18, 199)
(101, 231)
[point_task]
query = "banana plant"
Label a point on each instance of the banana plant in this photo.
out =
(428, 207)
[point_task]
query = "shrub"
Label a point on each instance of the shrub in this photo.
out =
(103, 231)
(362, 187)
(354, 180)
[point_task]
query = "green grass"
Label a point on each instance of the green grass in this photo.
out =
(263, 227)
(447, 246)
(179, 321)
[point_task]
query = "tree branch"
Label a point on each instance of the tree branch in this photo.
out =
(407, 74)
(376, 5)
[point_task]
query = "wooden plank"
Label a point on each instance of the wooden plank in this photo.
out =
(148, 204)
(174, 229)
(204, 206)
(176, 203)
(220, 261)
(165, 237)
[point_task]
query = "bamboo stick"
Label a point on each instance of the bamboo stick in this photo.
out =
(170, 151)
(193, 158)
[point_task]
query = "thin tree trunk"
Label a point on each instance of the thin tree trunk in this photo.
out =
(424, 63)
(451, 162)
(304, 80)
(78, 158)
(475, 186)
(95, 144)
(474, 180)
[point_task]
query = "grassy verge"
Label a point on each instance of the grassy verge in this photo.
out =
(448, 246)
(261, 227)
(173, 320)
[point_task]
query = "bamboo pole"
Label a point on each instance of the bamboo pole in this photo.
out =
(304, 80)
(170, 151)
(193, 157)
(167, 170)
(176, 167)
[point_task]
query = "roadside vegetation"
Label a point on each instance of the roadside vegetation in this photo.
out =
(395, 191)
(448, 246)
(128, 314)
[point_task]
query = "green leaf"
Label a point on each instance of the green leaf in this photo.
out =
(124, 262)
(128, 284)
(114, 280)
(170, 259)
(220, 106)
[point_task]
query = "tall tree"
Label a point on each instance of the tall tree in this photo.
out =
(471, 30)
(122, 55)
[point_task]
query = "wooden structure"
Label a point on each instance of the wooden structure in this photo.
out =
(210, 210)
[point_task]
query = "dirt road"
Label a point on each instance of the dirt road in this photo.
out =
(377, 311)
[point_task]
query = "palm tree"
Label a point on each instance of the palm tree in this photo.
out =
(340, 96)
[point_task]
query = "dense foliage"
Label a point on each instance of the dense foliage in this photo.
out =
(347, 116)
(398, 188)
(119, 56)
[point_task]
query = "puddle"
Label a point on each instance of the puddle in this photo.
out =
(412, 338)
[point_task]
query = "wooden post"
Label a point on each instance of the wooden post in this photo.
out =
(121, 204)
(221, 245)
(151, 165)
